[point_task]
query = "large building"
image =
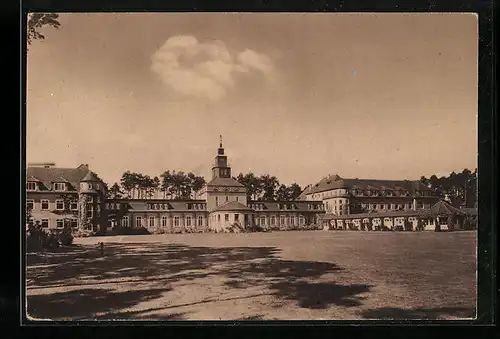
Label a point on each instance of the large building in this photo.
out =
(342, 196)
(59, 195)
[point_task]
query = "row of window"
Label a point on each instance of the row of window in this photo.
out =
(57, 186)
(263, 220)
(45, 223)
(342, 207)
(152, 221)
(283, 220)
(45, 205)
(370, 193)
(159, 206)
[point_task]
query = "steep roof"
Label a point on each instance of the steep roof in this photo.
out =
(47, 176)
(90, 176)
(226, 182)
(442, 208)
(377, 214)
(336, 182)
(296, 205)
(165, 204)
(232, 206)
(307, 190)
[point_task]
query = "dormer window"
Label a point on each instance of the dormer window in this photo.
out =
(59, 186)
(31, 186)
(90, 186)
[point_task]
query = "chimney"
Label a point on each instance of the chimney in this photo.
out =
(42, 164)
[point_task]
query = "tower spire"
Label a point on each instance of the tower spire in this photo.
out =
(220, 141)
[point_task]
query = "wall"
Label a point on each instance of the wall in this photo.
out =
(218, 222)
(170, 227)
(232, 196)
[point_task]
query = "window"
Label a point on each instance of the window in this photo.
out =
(288, 220)
(97, 186)
(31, 186)
(30, 203)
(59, 186)
(74, 223)
(302, 220)
(200, 220)
(59, 205)
(237, 199)
(45, 223)
(218, 217)
(236, 217)
(262, 220)
(164, 221)
(151, 222)
(176, 221)
(188, 220)
(45, 204)
(125, 221)
(226, 217)
(273, 220)
(227, 198)
(59, 223)
(90, 186)
(138, 221)
(216, 201)
(293, 220)
(282, 219)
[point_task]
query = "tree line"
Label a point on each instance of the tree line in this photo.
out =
(460, 188)
(178, 185)
(268, 188)
(173, 185)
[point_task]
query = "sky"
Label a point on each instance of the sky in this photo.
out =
(298, 96)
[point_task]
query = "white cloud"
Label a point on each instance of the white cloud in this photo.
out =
(206, 69)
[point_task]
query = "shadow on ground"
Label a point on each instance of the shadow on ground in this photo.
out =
(418, 313)
(82, 304)
(161, 265)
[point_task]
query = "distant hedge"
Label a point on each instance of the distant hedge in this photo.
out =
(129, 231)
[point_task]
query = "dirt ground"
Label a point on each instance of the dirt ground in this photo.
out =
(314, 275)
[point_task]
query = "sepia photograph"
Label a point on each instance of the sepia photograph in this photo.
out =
(251, 166)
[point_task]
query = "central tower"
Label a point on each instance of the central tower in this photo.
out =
(221, 168)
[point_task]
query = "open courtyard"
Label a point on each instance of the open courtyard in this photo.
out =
(313, 275)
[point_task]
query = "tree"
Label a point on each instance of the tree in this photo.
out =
(460, 187)
(287, 193)
(294, 191)
(252, 185)
(115, 192)
(178, 185)
(283, 193)
(39, 20)
(196, 182)
(269, 184)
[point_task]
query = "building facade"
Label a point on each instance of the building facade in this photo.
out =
(353, 196)
(221, 205)
(56, 197)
